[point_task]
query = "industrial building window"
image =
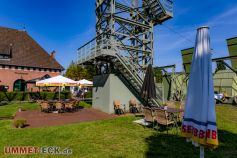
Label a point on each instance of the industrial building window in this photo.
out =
(3, 56)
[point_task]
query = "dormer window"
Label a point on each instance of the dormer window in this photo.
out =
(5, 51)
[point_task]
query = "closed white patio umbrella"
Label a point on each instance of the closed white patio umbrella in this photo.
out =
(199, 124)
(57, 81)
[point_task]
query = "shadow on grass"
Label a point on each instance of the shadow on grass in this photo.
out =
(162, 145)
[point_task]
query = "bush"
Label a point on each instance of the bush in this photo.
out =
(27, 96)
(88, 95)
(84, 104)
(2, 97)
(20, 123)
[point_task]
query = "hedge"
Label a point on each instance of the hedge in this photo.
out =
(88, 95)
(27, 96)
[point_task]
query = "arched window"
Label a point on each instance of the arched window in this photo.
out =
(19, 85)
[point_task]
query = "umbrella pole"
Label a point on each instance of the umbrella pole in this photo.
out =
(59, 93)
(201, 151)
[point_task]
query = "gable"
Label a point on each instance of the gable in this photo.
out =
(25, 51)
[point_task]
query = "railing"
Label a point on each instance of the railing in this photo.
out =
(167, 5)
(93, 48)
(87, 51)
(159, 10)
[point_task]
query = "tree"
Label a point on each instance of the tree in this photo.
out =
(220, 66)
(77, 72)
(89, 72)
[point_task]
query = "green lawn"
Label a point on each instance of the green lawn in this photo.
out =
(120, 138)
(10, 109)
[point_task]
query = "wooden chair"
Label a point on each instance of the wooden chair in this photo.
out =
(76, 104)
(59, 106)
(44, 106)
(149, 115)
(117, 109)
(69, 106)
(133, 106)
(161, 117)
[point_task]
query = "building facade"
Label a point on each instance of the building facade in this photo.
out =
(23, 60)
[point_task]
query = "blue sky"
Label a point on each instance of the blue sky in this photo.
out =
(64, 25)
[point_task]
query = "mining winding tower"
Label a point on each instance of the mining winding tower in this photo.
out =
(123, 48)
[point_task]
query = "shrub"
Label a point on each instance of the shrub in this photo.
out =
(20, 123)
(26, 96)
(2, 97)
(88, 95)
(84, 104)
(11, 95)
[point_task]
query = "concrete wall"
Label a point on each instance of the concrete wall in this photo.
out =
(113, 89)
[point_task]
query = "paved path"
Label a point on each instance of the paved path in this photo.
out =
(36, 118)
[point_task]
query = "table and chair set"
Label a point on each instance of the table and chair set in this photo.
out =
(58, 106)
(163, 116)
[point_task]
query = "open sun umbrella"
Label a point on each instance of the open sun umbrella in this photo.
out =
(85, 82)
(148, 90)
(199, 123)
(57, 81)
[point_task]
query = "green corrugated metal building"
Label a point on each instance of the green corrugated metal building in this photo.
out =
(225, 81)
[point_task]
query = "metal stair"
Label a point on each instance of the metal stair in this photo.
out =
(158, 11)
(130, 71)
(122, 62)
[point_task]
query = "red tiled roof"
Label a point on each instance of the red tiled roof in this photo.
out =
(25, 50)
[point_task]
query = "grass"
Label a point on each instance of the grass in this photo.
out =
(9, 110)
(120, 138)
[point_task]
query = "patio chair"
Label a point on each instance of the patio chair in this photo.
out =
(149, 115)
(76, 104)
(45, 107)
(133, 106)
(161, 117)
(59, 107)
(117, 109)
(69, 106)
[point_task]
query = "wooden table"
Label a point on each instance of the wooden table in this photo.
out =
(172, 112)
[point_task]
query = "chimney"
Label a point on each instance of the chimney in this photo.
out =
(53, 54)
(10, 50)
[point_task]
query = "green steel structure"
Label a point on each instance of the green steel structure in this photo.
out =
(174, 84)
(225, 81)
(124, 41)
(187, 55)
(232, 47)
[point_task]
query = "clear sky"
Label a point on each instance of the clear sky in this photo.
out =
(64, 25)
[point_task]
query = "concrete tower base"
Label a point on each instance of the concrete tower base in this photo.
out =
(106, 89)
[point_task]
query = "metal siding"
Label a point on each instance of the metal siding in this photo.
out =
(232, 47)
(225, 82)
(187, 56)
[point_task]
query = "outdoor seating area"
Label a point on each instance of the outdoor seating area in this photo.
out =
(162, 116)
(59, 106)
(120, 109)
(144, 79)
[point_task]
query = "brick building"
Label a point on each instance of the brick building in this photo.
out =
(22, 59)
